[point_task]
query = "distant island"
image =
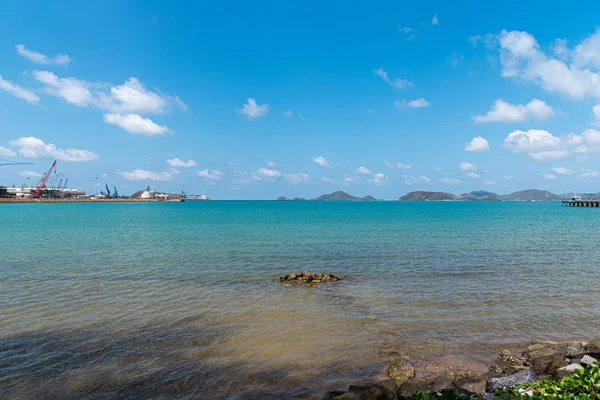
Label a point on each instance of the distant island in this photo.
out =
(335, 196)
(482, 195)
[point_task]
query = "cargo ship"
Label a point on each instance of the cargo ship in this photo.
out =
(201, 197)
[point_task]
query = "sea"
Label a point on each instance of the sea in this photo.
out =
(183, 300)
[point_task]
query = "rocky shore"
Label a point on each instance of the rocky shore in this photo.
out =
(539, 360)
(309, 278)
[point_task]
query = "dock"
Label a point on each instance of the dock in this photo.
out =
(581, 203)
(27, 200)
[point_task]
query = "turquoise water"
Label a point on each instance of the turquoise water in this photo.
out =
(182, 299)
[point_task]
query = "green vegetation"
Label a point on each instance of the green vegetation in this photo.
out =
(444, 394)
(583, 384)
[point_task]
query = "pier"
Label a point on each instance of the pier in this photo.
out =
(581, 203)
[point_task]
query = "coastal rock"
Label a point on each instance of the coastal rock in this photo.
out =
(382, 390)
(568, 370)
(401, 370)
(507, 363)
(511, 380)
(408, 388)
(587, 361)
(548, 365)
(471, 385)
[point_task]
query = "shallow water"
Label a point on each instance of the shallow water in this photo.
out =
(182, 299)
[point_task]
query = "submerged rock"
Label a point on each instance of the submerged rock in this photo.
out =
(401, 370)
(310, 278)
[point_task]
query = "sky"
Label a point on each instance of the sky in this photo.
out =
(246, 100)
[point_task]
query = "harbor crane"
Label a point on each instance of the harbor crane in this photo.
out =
(41, 186)
(115, 193)
(107, 191)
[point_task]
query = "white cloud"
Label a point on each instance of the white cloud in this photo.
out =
(72, 90)
(456, 58)
(505, 112)
(489, 40)
(6, 152)
(267, 173)
(417, 103)
(478, 143)
(488, 182)
(320, 160)
(378, 179)
(329, 180)
(143, 175)
(507, 177)
(547, 177)
(411, 179)
(398, 165)
(136, 124)
(253, 110)
(296, 178)
(300, 116)
(472, 175)
(39, 58)
(543, 146)
(395, 83)
(33, 147)
(573, 74)
(363, 170)
(27, 174)
(435, 21)
(271, 164)
(18, 91)
(177, 163)
(210, 174)
(450, 181)
(561, 170)
(596, 113)
(133, 97)
(467, 166)
(588, 173)
(288, 113)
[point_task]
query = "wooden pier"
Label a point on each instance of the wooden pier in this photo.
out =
(581, 203)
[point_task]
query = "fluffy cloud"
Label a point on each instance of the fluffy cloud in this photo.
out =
(39, 58)
(211, 174)
(411, 179)
(363, 170)
(596, 113)
(18, 91)
(136, 124)
(467, 166)
(320, 160)
(177, 163)
(561, 170)
(253, 110)
(143, 175)
(488, 182)
(6, 152)
(395, 83)
(288, 113)
(33, 147)
(472, 175)
(296, 178)
(72, 90)
(505, 112)
(543, 146)
(478, 143)
(417, 103)
(398, 165)
(377, 179)
(571, 73)
(588, 173)
(29, 174)
(267, 173)
(133, 97)
(450, 181)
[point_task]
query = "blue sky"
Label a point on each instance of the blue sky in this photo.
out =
(248, 100)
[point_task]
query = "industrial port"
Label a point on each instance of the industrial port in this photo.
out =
(52, 188)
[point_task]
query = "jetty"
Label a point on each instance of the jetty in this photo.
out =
(581, 203)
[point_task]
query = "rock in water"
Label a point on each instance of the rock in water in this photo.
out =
(511, 380)
(401, 370)
(292, 276)
(568, 370)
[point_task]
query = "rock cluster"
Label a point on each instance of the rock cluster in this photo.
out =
(308, 278)
(540, 360)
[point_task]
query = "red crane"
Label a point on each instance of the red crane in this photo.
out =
(37, 192)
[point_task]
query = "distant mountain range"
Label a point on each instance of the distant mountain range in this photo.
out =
(482, 195)
(335, 196)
